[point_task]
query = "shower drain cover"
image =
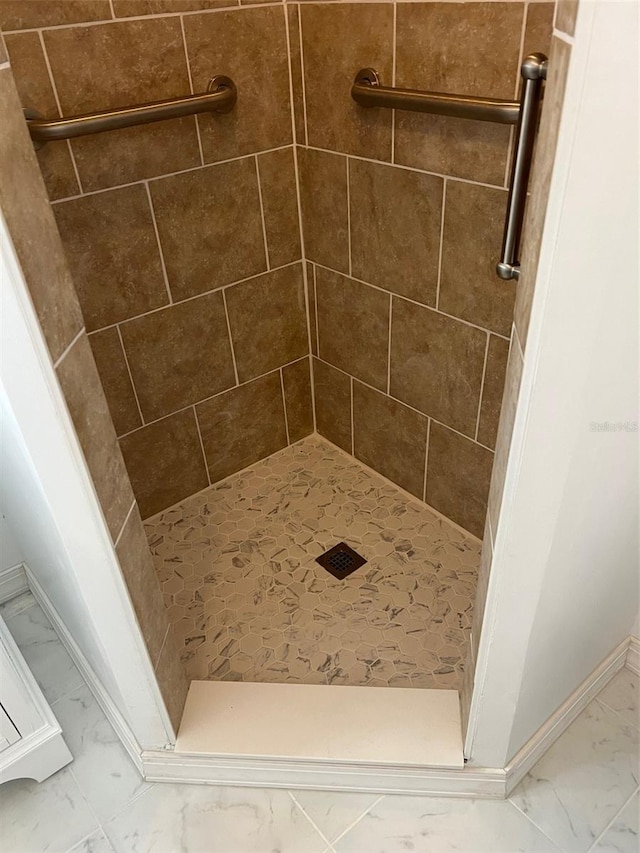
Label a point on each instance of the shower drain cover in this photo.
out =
(341, 560)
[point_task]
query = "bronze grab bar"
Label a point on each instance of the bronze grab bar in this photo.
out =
(220, 97)
(368, 92)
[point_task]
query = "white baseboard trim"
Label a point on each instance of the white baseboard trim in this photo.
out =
(13, 582)
(109, 708)
(558, 722)
(633, 655)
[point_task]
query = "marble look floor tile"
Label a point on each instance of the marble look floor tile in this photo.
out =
(248, 601)
(622, 835)
(96, 843)
(583, 780)
(334, 812)
(101, 766)
(439, 825)
(47, 658)
(622, 694)
(45, 817)
(202, 819)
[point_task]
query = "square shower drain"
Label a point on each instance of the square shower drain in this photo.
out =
(341, 560)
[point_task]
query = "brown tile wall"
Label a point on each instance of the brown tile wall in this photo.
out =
(402, 219)
(183, 237)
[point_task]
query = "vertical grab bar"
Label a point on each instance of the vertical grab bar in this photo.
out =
(534, 72)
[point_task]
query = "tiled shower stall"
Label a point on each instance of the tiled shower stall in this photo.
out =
(294, 314)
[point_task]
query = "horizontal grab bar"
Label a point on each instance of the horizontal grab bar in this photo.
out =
(220, 97)
(369, 92)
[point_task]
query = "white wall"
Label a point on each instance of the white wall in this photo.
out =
(53, 512)
(10, 552)
(564, 584)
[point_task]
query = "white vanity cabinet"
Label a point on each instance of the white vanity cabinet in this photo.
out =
(31, 743)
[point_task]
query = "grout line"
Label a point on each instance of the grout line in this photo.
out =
(128, 366)
(264, 226)
(313, 391)
(389, 346)
(353, 431)
(67, 349)
(484, 373)
(612, 821)
(171, 174)
(440, 248)
(315, 306)
(219, 289)
(618, 714)
(157, 233)
(204, 455)
(124, 524)
(348, 216)
(164, 642)
(413, 302)
(304, 86)
(393, 80)
(186, 56)
(233, 354)
(113, 11)
(408, 406)
(533, 823)
(308, 817)
(89, 805)
(364, 813)
(284, 406)
(426, 461)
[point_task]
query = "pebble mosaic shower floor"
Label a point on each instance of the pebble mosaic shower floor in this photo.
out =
(236, 563)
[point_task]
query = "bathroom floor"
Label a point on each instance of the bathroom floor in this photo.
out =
(236, 563)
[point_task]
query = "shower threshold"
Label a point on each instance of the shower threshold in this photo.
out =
(249, 603)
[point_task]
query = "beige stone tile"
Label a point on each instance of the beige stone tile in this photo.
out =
(332, 391)
(210, 226)
(458, 474)
(353, 326)
(19, 15)
(32, 226)
(127, 8)
(293, 15)
(172, 680)
(280, 204)
(297, 397)
(468, 49)
(469, 286)
(436, 364)
(82, 389)
(165, 462)
(110, 361)
(323, 194)
(102, 77)
(113, 254)
(395, 228)
(538, 28)
(243, 425)
(492, 390)
(540, 181)
(390, 438)
(250, 46)
(3, 50)
(338, 40)
(566, 15)
(34, 87)
(180, 355)
(268, 321)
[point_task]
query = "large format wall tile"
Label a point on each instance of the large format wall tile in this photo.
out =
(268, 321)
(80, 382)
(461, 48)
(436, 364)
(353, 326)
(492, 390)
(250, 46)
(210, 226)
(112, 367)
(243, 425)
(124, 63)
(180, 355)
(538, 28)
(297, 398)
(395, 228)
(172, 679)
(325, 218)
(113, 253)
(19, 15)
(390, 438)
(458, 474)
(32, 226)
(126, 8)
(332, 392)
(338, 40)
(469, 286)
(280, 204)
(165, 462)
(34, 87)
